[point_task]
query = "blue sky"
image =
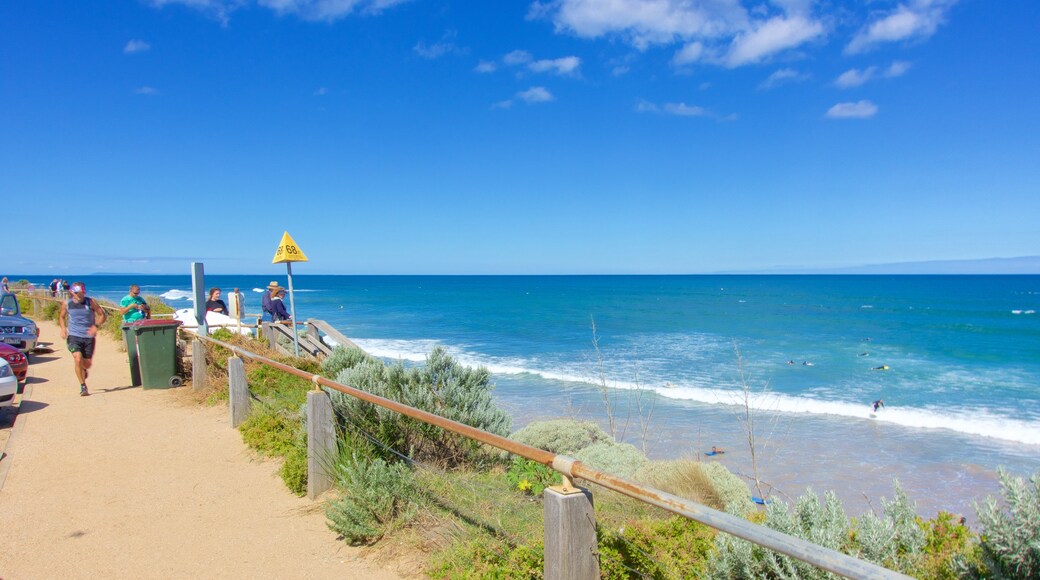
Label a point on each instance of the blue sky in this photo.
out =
(567, 136)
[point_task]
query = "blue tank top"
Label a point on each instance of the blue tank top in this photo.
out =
(81, 317)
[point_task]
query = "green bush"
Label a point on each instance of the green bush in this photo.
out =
(294, 469)
(676, 547)
(490, 558)
(566, 436)
(377, 497)
(272, 432)
(530, 477)
(442, 387)
(343, 358)
(1010, 540)
(733, 492)
(620, 459)
(951, 550)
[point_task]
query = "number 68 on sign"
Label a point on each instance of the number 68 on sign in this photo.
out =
(288, 251)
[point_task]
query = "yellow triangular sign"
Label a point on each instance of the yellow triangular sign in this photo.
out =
(288, 251)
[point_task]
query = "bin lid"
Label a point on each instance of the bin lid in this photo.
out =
(154, 322)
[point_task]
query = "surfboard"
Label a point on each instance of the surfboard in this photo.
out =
(760, 501)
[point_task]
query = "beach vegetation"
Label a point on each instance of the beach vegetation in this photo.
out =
(442, 386)
(1010, 538)
(565, 436)
(621, 459)
(530, 477)
(375, 497)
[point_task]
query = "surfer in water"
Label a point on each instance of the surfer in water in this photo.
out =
(717, 450)
(880, 368)
(878, 404)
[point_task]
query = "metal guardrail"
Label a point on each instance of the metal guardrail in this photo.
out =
(825, 558)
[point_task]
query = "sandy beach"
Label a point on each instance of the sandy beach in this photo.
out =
(134, 483)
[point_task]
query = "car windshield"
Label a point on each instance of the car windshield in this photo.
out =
(9, 305)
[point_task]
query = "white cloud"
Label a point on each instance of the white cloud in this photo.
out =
(645, 22)
(326, 10)
(567, 65)
(855, 77)
(485, 66)
(136, 46)
(150, 91)
(782, 76)
(857, 110)
(770, 37)
(689, 54)
(684, 110)
(517, 57)
(678, 109)
(917, 19)
(535, 95)
(446, 45)
(506, 104)
(321, 92)
(897, 69)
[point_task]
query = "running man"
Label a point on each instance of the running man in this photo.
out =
(79, 319)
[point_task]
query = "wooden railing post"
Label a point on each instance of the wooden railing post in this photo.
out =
(321, 443)
(198, 365)
(239, 404)
(570, 534)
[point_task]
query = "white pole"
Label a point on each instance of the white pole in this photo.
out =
(292, 305)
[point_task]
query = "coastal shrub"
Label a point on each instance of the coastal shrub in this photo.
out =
(530, 477)
(732, 491)
(343, 358)
(442, 386)
(684, 478)
(824, 524)
(490, 557)
(620, 459)
(294, 469)
(1010, 539)
(675, 547)
(271, 431)
(951, 550)
(566, 436)
(377, 497)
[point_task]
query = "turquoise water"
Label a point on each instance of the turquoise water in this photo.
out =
(962, 389)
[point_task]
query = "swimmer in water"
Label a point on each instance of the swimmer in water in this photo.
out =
(717, 450)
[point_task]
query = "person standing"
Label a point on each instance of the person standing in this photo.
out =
(79, 319)
(266, 305)
(215, 304)
(281, 315)
(4, 286)
(133, 307)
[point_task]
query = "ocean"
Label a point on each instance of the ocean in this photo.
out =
(956, 360)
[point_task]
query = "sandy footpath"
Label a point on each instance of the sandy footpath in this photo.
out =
(133, 483)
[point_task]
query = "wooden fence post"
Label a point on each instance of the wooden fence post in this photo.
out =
(239, 404)
(198, 365)
(571, 552)
(321, 443)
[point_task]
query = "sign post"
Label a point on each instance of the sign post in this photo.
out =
(289, 252)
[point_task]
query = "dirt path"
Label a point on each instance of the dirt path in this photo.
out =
(133, 483)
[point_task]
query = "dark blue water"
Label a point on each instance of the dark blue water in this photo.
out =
(962, 353)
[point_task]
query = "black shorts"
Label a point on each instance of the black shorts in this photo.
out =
(83, 345)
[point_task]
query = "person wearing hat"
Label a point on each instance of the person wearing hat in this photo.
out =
(278, 306)
(267, 303)
(79, 319)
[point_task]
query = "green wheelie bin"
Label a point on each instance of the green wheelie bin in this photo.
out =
(155, 344)
(130, 339)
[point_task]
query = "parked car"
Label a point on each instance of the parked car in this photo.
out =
(8, 384)
(15, 329)
(18, 361)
